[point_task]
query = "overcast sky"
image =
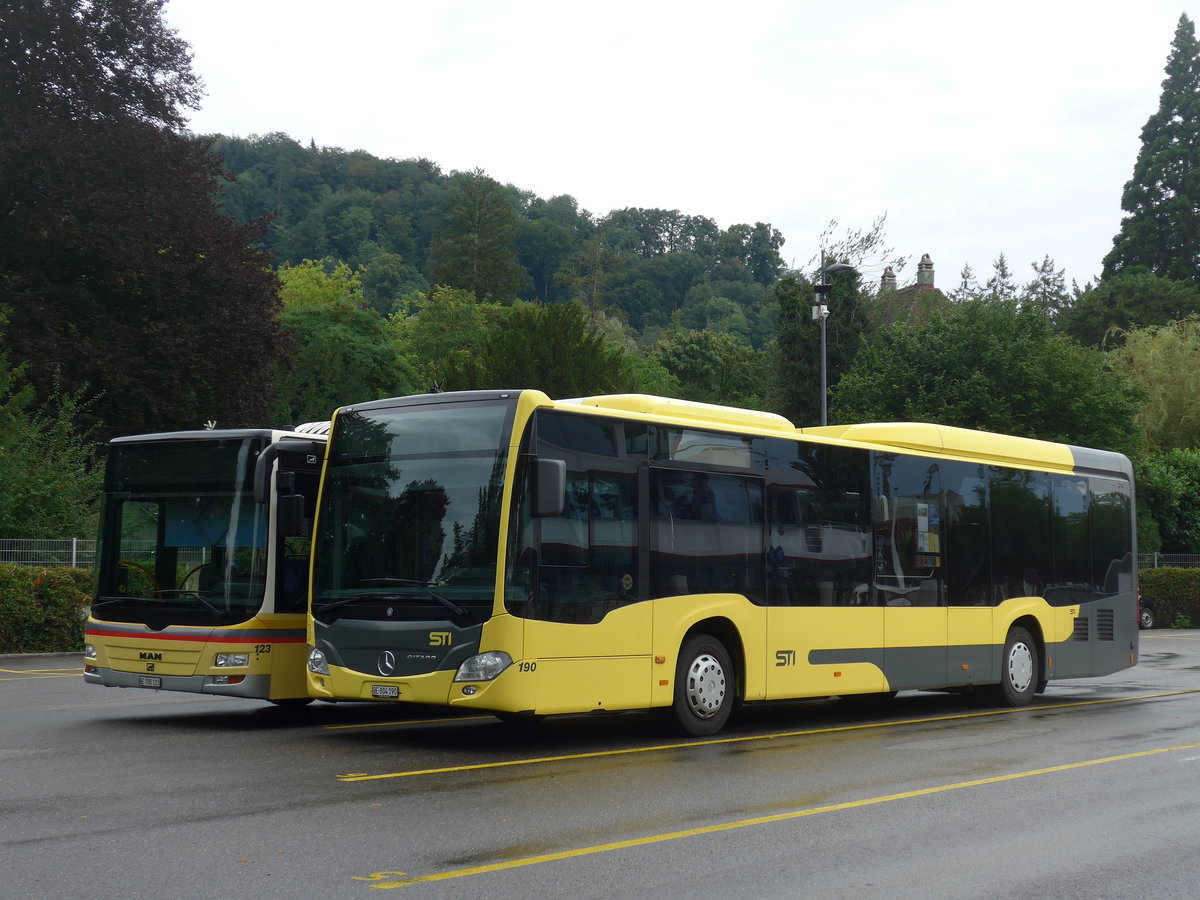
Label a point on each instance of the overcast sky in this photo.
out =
(977, 128)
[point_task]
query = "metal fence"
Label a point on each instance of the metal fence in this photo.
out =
(80, 553)
(1176, 560)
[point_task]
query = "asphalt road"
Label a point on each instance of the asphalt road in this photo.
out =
(1091, 793)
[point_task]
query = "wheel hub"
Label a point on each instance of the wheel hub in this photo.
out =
(1020, 667)
(705, 688)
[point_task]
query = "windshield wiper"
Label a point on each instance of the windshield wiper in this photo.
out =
(109, 601)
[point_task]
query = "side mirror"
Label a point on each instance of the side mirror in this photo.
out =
(550, 487)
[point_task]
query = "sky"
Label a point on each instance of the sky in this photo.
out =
(975, 128)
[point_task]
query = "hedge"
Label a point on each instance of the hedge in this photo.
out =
(43, 609)
(1175, 593)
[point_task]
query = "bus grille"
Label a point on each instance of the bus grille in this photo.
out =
(1105, 629)
(1081, 629)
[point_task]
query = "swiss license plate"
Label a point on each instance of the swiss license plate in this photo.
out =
(385, 691)
(154, 681)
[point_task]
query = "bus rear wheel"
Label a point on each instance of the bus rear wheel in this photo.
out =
(1020, 669)
(705, 686)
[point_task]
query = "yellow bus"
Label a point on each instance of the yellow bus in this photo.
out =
(505, 552)
(202, 577)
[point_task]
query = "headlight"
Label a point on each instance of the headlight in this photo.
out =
(89, 651)
(225, 660)
(483, 667)
(317, 664)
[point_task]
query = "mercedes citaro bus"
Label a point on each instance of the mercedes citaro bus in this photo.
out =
(504, 552)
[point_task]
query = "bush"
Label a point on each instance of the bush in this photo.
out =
(1174, 592)
(42, 609)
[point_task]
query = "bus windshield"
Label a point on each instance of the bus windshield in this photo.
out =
(410, 513)
(184, 541)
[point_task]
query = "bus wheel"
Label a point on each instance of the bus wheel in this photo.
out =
(1019, 669)
(705, 686)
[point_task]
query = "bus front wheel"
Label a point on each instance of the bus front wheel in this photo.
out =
(705, 686)
(1020, 669)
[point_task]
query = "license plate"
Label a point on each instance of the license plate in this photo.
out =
(385, 691)
(153, 681)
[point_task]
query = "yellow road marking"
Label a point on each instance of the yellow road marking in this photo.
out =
(862, 726)
(31, 674)
(760, 820)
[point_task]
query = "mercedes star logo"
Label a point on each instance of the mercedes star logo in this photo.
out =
(387, 663)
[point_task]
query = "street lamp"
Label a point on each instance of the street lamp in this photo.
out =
(820, 314)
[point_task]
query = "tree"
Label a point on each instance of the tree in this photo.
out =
(1102, 314)
(345, 352)
(797, 346)
(122, 276)
(1048, 289)
(1168, 490)
(1001, 285)
(712, 366)
(443, 338)
(1164, 361)
(996, 366)
(1160, 232)
(49, 479)
(555, 347)
(476, 246)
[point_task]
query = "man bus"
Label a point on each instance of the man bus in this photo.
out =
(203, 564)
(500, 551)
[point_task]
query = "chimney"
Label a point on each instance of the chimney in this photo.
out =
(888, 282)
(925, 273)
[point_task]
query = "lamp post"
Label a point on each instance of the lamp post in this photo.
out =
(820, 314)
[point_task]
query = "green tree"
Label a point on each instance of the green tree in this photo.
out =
(1164, 361)
(796, 350)
(1101, 314)
(712, 366)
(444, 335)
(387, 282)
(1161, 228)
(476, 246)
(589, 272)
(1168, 488)
(1001, 285)
(555, 347)
(993, 365)
(1048, 289)
(345, 352)
(122, 275)
(49, 479)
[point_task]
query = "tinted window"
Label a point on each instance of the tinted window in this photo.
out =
(819, 525)
(706, 534)
(578, 566)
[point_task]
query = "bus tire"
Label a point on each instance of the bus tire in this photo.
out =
(705, 686)
(1020, 669)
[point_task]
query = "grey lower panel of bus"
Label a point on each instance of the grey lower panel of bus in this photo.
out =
(255, 687)
(919, 668)
(1105, 639)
